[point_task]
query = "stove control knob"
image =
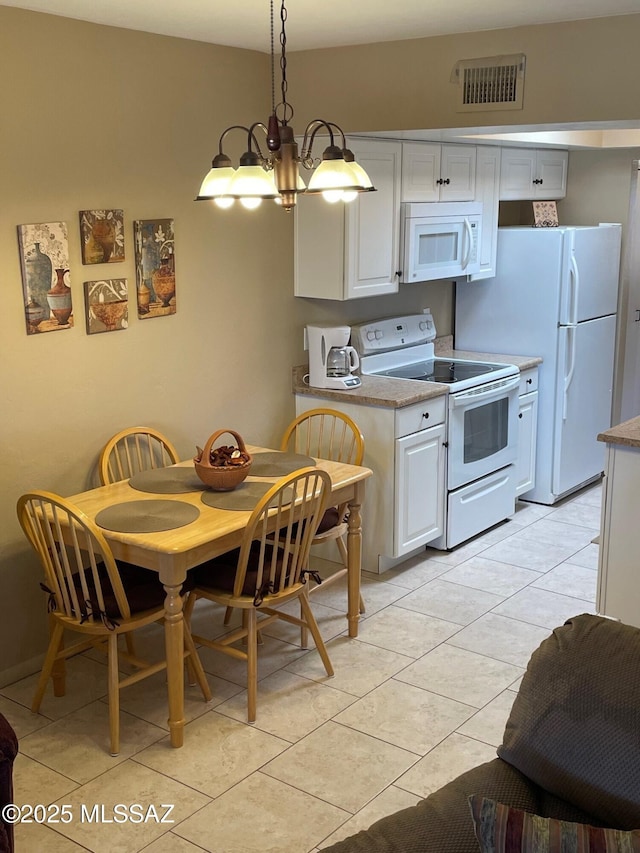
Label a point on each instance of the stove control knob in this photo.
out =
(422, 325)
(371, 336)
(379, 334)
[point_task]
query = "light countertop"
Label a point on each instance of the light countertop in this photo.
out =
(394, 393)
(627, 433)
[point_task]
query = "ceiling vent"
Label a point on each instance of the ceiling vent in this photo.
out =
(490, 83)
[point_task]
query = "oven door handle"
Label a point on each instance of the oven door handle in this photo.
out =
(486, 393)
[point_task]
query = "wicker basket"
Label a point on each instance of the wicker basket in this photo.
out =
(222, 478)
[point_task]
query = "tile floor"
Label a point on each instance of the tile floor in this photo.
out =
(419, 697)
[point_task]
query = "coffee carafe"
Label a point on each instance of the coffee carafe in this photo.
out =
(331, 360)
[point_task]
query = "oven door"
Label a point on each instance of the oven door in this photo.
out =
(483, 430)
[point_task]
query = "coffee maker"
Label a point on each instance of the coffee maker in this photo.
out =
(331, 361)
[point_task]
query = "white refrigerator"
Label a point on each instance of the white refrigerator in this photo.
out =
(555, 295)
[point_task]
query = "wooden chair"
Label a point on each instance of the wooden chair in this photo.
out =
(325, 434)
(93, 595)
(328, 434)
(264, 573)
(133, 450)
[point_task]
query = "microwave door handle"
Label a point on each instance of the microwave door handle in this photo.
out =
(469, 232)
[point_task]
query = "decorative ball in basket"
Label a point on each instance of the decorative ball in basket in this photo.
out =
(225, 467)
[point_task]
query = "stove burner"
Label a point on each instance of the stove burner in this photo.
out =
(444, 370)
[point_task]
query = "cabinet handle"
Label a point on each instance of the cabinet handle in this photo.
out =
(519, 414)
(398, 273)
(445, 444)
(440, 181)
(529, 381)
(425, 415)
(446, 181)
(537, 180)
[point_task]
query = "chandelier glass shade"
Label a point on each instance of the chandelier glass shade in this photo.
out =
(276, 174)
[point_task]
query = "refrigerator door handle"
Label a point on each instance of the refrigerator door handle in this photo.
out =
(568, 378)
(575, 290)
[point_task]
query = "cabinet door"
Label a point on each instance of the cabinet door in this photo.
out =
(419, 489)
(372, 241)
(487, 191)
(517, 173)
(458, 173)
(526, 461)
(551, 171)
(420, 171)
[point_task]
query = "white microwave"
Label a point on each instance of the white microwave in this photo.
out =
(440, 240)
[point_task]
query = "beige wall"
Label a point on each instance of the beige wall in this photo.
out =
(580, 71)
(97, 117)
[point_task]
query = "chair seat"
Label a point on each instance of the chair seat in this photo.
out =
(220, 573)
(329, 520)
(142, 588)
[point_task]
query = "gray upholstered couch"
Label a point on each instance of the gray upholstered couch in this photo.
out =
(571, 748)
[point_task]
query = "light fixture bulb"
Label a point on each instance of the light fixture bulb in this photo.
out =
(250, 202)
(223, 201)
(349, 195)
(332, 196)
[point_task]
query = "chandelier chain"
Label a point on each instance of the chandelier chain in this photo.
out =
(273, 67)
(287, 111)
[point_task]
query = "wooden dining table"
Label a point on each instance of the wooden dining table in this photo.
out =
(171, 553)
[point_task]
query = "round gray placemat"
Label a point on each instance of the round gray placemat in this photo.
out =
(146, 516)
(167, 481)
(244, 497)
(277, 463)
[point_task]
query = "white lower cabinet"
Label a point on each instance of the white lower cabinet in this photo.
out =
(419, 508)
(618, 573)
(404, 502)
(527, 431)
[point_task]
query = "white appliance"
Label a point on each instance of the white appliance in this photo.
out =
(440, 240)
(482, 429)
(331, 360)
(555, 295)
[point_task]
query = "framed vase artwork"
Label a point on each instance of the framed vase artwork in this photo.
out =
(155, 267)
(44, 261)
(102, 236)
(106, 305)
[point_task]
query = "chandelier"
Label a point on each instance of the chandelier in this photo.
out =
(276, 174)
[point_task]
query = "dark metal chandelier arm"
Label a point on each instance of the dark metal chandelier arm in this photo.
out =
(309, 137)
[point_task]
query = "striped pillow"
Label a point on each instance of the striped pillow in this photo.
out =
(501, 829)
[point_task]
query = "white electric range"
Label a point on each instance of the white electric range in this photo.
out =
(482, 418)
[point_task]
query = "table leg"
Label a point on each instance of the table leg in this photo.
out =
(174, 643)
(354, 561)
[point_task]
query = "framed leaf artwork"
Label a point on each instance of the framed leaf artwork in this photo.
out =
(155, 267)
(106, 305)
(102, 236)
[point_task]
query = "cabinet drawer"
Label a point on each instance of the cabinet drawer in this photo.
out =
(528, 380)
(420, 416)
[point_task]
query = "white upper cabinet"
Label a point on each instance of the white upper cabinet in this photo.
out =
(487, 191)
(528, 173)
(351, 250)
(432, 172)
